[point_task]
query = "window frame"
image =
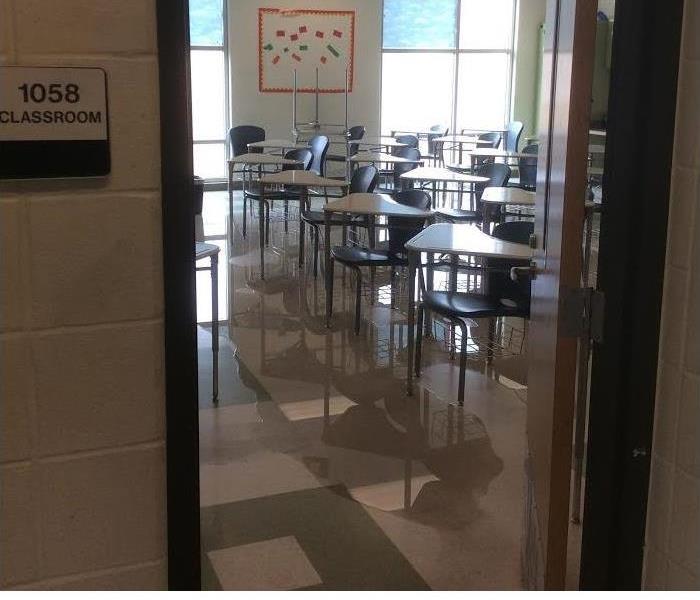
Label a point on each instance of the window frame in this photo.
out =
(224, 49)
(458, 52)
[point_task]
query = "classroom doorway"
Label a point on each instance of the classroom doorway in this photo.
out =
(312, 457)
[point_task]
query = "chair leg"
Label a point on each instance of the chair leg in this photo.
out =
(329, 288)
(358, 301)
(419, 337)
(267, 224)
(286, 216)
(462, 364)
(492, 337)
(392, 275)
(315, 233)
(245, 206)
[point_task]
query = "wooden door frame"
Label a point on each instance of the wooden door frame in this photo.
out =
(637, 183)
(624, 367)
(182, 411)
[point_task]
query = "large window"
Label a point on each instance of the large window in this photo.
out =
(447, 62)
(209, 87)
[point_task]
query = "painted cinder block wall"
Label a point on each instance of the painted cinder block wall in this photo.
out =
(82, 451)
(672, 556)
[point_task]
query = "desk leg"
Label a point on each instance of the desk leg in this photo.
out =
(303, 200)
(215, 325)
(429, 285)
(230, 202)
(371, 231)
(329, 268)
(261, 230)
(413, 259)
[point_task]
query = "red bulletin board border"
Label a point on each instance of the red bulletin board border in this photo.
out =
(351, 66)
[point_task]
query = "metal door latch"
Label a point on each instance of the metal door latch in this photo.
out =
(530, 271)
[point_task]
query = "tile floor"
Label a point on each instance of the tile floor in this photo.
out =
(317, 472)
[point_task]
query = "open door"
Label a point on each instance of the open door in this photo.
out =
(564, 123)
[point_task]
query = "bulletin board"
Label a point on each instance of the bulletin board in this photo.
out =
(305, 39)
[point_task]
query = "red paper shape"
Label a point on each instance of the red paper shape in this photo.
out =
(276, 59)
(302, 29)
(324, 60)
(337, 33)
(294, 37)
(296, 57)
(280, 33)
(319, 34)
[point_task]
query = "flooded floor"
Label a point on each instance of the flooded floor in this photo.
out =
(317, 470)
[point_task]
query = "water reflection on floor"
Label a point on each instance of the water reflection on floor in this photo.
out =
(317, 471)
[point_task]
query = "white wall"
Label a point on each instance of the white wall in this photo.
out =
(273, 111)
(82, 449)
(531, 14)
(672, 554)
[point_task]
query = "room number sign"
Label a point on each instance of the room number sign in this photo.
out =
(54, 122)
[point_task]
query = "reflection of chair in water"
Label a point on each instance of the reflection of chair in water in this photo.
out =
(463, 469)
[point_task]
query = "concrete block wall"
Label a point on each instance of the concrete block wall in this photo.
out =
(82, 419)
(672, 554)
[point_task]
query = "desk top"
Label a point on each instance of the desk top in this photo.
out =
(374, 157)
(373, 204)
(448, 238)
(441, 174)
(387, 142)
(297, 177)
(457, 139)
(262, 159)
(498, 153)
(276, 144)
(508, 195)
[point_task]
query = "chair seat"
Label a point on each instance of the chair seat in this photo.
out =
(360, 257)
(204, 250)
(458, 214)
(469, 306)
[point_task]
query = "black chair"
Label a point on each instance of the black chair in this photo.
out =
(527, 166)
(355, 134)
(409, 153)
(239, 138)
(504, 298)
(198, 195)
(242, 135)
(399, 230)
(513, 133)
(434, 153)
(364, 180)
(319, 145)
(410, 140)
(498, 175)
(304, 156)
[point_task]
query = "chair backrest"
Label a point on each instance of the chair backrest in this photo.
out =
(356, 132)
(198, 195)
(242, 135)
(399, 168)
(498, 175)
(515, 129)
(364, 180)
(491, 139)
(319, 148)
(513, 294)
(527, 166)
(303, 155)
(441, 132)
(401, 229)
(410, 140)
